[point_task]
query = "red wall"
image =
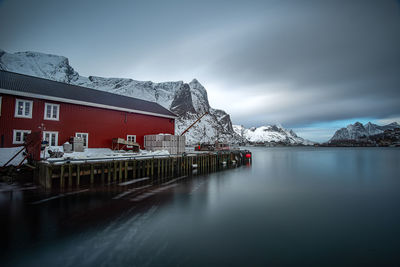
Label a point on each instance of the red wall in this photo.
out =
(101, 124)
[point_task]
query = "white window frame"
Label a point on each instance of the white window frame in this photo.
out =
(87, 139)
(29, 116)
(15, 142)
(131, 135)
(50, 133)
(51, 111)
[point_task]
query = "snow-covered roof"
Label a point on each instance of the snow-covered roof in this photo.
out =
(29, 86)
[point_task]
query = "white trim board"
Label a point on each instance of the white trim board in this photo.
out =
(84, 103)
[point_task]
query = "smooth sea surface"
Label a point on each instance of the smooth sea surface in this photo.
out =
(292, 207)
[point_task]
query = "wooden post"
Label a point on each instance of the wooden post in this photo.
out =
(102, 173)
(120, 171)
(162, 168)
(139, 167)
(115, 171)
(183, 165)
(158, 168)
(165, 173)
(91, 174)
(70, 175)
(168, 169)
(186, 165)
(147, 167)
(178, 166)
(171, 162)
(152, 167)
(62, 177)
(165, 169)
(171, 166)
(108, 172)
(49, 174)
(134, 169)
(206, 163)
(200, 167)
(143, 168)
(78, 175)
(126, 170)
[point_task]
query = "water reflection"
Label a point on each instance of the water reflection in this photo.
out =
(307, 206)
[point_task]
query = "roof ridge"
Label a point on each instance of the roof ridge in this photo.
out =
(100, 93)
(69, 84)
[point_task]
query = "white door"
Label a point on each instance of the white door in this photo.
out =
(85, 137)
(51, 138)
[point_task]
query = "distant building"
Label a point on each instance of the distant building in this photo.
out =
(60, 111)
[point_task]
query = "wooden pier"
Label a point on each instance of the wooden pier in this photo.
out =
(73, 174)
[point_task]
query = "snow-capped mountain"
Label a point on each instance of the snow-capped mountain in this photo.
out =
(358, 130)
(268, 134)
(187, 100)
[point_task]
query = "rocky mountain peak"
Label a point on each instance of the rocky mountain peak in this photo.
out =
(357, 130)
(270, 134)
(199, 96)
(40, 65)
(182, 105)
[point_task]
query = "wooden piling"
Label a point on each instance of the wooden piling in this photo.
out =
(91, 174)
(49, 174)
(78, 175)
(120, 171)
(70, 176)
(134, 169)
(125, 170)
(108, 172)
(62, 177)
(102, 173)
(152, 168)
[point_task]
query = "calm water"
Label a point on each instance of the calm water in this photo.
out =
(293, 206)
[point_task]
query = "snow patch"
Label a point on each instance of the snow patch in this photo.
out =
(7, 153)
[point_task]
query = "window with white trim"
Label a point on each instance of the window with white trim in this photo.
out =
(51, 111)
(23, 108)
(19, 136)
(131, 138)
(85, 137)
(51, 138)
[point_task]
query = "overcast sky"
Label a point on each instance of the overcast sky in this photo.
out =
(310, 65)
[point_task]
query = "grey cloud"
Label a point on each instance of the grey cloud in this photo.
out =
(346, 53)
(309, 61)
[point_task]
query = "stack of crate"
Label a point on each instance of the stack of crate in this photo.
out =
(175, 144)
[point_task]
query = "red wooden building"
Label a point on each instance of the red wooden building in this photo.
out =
(60, 111)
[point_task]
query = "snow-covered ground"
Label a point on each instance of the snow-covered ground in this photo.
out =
(7, 153)
(88, 154)
(101, 153)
